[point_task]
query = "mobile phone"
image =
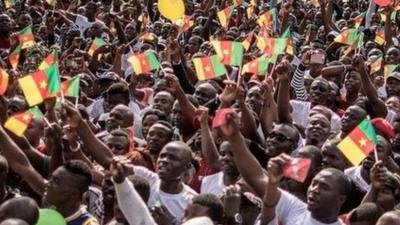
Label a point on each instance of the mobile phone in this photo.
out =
(317, 58)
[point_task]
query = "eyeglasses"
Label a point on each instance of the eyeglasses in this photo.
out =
(279, 137)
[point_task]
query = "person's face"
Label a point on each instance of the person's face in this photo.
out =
(34, 131)
(318, 19)
(392, 56)
(383, 151)
(352, 81)
(117, 119)
(254, 99)
(203, 94)
(95, 30)
(158, 136)
(177, 115)
(333, 158)
(91, 9)
(386, 199)
(375, 19)
(393, 104)
(317, 129)
(226, 159)
(280, 140)
(119, 145)
(5, 24)
(148, 121)
(396, 140)
(319, 92)
(42, 33)
(193, 45)
(170, 163)
(393, 87)
(163, 101)
(165, 30)
(323, 193)
(107, 187)
(351, 118)
(130, 31)
(194, 211)
(116, 99)
(24, 20)
(157, 28)
(346, 13)
(60, 188)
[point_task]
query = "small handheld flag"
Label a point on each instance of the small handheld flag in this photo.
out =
(220, 117)
(297, 169)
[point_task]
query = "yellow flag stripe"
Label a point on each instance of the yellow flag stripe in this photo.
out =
(352, 152)
(198, 65)
(222, 18)
(135, 62)
(30, 90)
(16, 126)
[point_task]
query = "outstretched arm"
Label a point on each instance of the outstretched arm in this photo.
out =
(20, 163)
(283, 71)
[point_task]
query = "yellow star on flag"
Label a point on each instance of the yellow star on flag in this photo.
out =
(207, 68)
(362, 142)
(226, 52)
(43, 84)
(26, 117)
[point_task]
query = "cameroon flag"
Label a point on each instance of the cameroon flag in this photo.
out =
(9, 3)
(359, 143)
(51, 59)
(71, 87)
(250, 11)
(208, 67)
(229, 52)
(51, 2)
(26, 38)
(388, 70)
(358, 20)
(348, 36)
(247, 41)
(237, 2)
(144, 19)
(224, 15)
(257, 66)
(376, 64)
(13, 58)
(380, 37)
(144, 63)
(4, 77)
(267, 19)
(40, 85)
(272, 46)
(97, 43)
(19, 122)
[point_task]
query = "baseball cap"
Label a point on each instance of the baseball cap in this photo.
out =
(395, 75)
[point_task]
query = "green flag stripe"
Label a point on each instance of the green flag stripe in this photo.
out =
(36, 112)
(368, 129)
(53, 76)
(99, 42)
(262, 65)
(73, 87)
(237, 54)
(219, 68)
(153, 61)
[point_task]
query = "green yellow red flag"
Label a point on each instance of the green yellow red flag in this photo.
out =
(208, 67)
(359, 142)
(144, 62)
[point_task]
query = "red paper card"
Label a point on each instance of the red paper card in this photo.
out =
(220, 117)
(297, 169)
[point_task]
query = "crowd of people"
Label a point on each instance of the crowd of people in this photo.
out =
(167, 140)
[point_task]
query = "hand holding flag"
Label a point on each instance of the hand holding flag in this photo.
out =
(220, 118)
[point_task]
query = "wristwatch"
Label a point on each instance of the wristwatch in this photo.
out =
(236, 219)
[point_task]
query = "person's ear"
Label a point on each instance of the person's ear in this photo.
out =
(342, 199)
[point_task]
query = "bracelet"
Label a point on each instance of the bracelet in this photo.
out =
(272, 205)
(75, 149)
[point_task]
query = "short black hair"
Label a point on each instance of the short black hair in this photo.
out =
(119, 133)
(118, 88)
(366, 212)
(166, 124)
(80, 168)
(345, 183)
(160, 114)
(214, 205)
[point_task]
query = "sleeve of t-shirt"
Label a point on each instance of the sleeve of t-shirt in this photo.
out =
(289, 209)
(148, 175)
(390, 116)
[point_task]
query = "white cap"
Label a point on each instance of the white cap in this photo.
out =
(199, 221)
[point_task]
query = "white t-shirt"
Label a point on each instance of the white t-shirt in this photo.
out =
(292, 211)
(354, 173)
(301, 110)
(175, 203)
(213, 184)
(83, 23)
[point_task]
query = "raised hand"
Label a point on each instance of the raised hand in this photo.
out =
(172, 83)
(232, 127)
(202, 113)
(74, 117)
(282, 71)
(229, 94)
(232, 199)
(378, 175)
(358, 61)
(275, 167)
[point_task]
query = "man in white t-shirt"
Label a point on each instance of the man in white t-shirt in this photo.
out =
(216, 183)
(325, 196)
(167, 188)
